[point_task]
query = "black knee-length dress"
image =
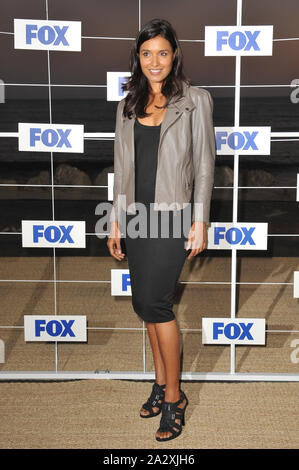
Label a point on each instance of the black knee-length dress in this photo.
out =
(155, 263)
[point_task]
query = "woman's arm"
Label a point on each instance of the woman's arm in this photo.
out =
(113, 242)
(204, 153)
(118, 161)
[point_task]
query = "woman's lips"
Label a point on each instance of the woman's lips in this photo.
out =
(155, 72)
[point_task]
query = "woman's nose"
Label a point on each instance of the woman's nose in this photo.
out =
(155, 60)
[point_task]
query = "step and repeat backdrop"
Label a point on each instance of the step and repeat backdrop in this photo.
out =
(68, 314)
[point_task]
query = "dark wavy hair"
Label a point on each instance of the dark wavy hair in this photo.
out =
(137, 86)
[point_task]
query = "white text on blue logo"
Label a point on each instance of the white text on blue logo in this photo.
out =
(238, 40)
(236, 140)
(54, 327)
(234, 235)
(50, 137)
(47, 34)
(53, 234)
(232, 330)
(126, 282)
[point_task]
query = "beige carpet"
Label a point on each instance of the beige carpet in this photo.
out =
(103, 414)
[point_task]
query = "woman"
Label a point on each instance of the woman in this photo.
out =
(164, 140)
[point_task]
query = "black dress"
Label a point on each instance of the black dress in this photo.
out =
(155, 263)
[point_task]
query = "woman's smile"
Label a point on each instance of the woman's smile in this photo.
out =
(155, 72)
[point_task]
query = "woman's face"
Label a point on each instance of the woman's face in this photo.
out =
(156, 58)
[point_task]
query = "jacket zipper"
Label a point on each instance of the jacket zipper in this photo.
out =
(160, 141)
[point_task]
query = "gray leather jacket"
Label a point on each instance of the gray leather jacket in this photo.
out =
(186, 155)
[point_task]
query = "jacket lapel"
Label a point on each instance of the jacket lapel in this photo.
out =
(173, 112)
(175, 109)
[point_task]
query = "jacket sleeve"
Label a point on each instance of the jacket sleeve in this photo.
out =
(204, 153)
(118, 163)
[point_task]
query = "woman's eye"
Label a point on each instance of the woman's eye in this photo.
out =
(146, 54)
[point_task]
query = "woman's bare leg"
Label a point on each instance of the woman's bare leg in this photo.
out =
(168, 336)
(169, 346)
(165, 344)
(158, 361)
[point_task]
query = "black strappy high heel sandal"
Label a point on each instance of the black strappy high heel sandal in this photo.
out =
(171, 412)
(155, 397)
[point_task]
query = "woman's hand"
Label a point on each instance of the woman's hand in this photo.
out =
(113, 242)
(197, 238)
